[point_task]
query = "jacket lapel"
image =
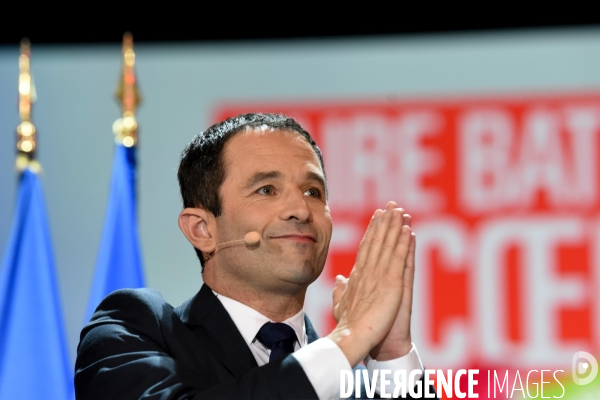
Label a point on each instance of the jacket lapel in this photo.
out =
(209, 321)
(311, 334)
(207, 318)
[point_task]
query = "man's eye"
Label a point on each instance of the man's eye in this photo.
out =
(266, 190)
(313, 192)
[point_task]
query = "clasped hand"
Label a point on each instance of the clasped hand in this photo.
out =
(373, 306)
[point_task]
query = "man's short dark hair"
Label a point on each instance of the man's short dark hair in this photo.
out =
(202, 169)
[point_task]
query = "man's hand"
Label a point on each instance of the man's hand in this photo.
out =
(368, 305)
(398, 342)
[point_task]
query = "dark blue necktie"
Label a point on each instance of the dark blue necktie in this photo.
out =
(277, 337)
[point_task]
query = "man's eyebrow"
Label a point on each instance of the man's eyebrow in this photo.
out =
(261, 176)
(313, 176)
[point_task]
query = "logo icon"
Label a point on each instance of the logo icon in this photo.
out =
(584, 368)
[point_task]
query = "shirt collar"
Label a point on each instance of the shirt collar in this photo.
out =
(249, 321)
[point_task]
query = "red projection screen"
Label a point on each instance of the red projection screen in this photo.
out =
(505, 201)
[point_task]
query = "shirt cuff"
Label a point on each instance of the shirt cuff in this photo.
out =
(322, 362)
(409, 362)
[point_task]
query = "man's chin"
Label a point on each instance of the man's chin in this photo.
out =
(302, 273)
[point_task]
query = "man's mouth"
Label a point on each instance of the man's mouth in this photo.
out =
(297, 237)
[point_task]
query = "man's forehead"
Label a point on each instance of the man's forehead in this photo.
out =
(266, 134)
(265, 144)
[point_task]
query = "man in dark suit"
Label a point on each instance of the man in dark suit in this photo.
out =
(245, 335)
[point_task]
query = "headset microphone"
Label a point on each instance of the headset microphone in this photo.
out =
(250, 239)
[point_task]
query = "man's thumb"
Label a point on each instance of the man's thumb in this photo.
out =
(338, 290)
(340, 285)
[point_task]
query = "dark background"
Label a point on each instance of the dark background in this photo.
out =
(220, 26)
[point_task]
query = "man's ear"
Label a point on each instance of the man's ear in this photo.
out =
(198, 226)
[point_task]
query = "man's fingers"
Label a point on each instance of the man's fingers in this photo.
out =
(401, 251)
(409, 271)
(385, 238)
(363, 249)
(406, 220)
(404, 314)
(410, 259)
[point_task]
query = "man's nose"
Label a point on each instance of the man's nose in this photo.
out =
(294, 206)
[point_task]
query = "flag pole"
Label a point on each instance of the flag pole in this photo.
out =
(26, 132)
(125, 128)
(34, 357)
(119, 264)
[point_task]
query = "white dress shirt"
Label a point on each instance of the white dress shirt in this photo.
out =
(321, 360)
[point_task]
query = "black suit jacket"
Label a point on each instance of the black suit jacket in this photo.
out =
(137, 346)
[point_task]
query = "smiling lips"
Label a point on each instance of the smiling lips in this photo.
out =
(297, 237)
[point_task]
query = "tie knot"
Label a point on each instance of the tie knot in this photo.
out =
(273, 333)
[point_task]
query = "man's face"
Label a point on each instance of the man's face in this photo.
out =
(273, 185)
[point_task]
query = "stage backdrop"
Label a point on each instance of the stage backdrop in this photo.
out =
(490, 140)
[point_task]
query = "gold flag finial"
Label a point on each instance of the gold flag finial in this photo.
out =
(26, 133)
(125, 128)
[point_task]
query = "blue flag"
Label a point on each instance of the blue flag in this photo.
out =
(34, 361)
(119, 263)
